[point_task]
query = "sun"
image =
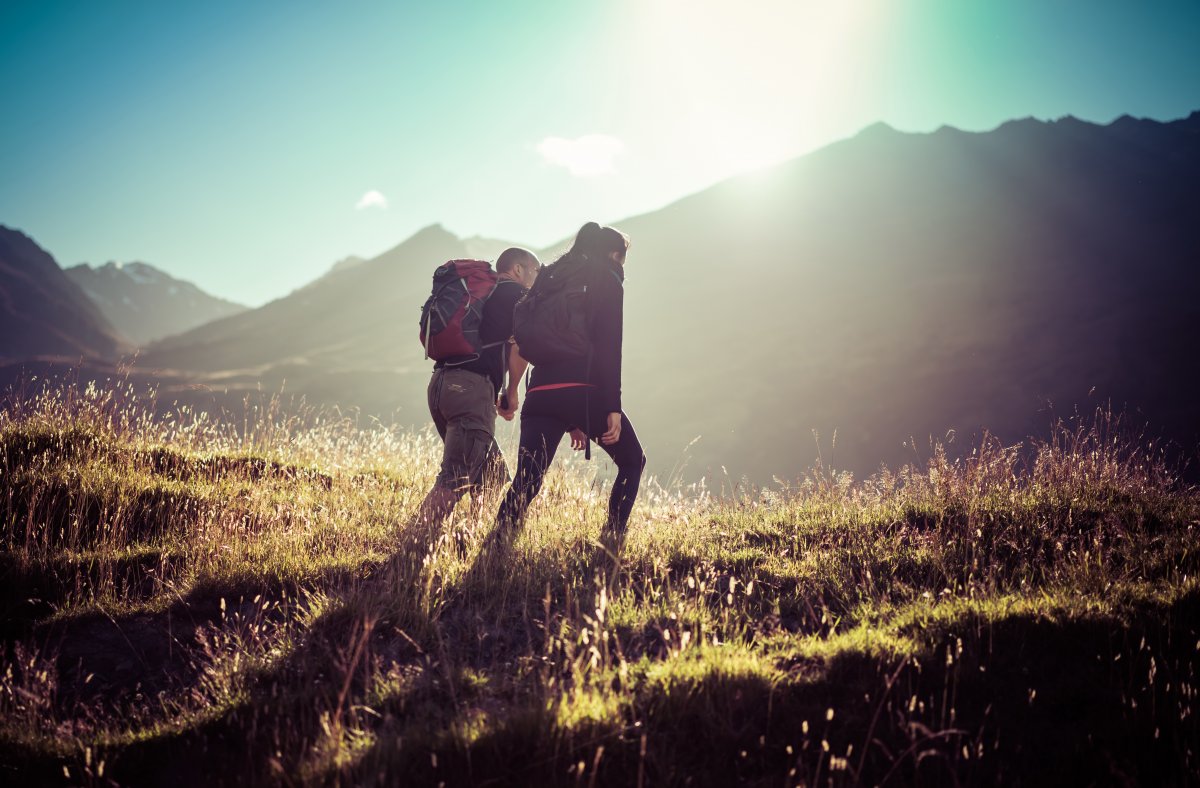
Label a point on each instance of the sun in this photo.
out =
(748, 84)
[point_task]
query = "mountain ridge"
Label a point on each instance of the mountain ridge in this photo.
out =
(42, 312)
(374, 284)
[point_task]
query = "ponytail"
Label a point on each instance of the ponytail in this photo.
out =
(594, 242)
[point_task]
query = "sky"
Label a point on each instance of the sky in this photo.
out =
(247, 147)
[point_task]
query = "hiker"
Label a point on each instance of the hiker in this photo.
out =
(580, 395)
(465, 396)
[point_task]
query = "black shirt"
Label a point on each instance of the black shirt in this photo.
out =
(496, 327)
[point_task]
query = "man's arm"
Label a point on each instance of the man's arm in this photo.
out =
(503, 302)
(516, 368)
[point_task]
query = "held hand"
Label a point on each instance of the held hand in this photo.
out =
(507, 403)
(613, 433)
(578, 439)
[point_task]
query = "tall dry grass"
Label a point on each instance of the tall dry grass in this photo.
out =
(202, 601)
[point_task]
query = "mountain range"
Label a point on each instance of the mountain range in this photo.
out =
(144, 303)
(888, 289)
(894, 287)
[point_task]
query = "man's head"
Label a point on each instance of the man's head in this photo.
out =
(519, 265)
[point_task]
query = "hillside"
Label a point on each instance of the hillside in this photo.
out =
(42, 312)
(354, 317)
(898, 285)
(887, 287)
(182, 605)
(144, 303)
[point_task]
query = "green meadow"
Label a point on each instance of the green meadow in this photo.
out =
(187, 602)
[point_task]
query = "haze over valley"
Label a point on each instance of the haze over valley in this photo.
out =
(888, 287)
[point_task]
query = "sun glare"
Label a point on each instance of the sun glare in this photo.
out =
(754, 83)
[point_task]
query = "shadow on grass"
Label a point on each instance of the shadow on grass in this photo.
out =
(107, 667)
(1026, 700)
(1094, 699)
(31, 591)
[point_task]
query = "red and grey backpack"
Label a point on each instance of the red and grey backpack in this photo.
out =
(451, 316)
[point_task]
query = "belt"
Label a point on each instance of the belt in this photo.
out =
(556, 386)
(451, 368)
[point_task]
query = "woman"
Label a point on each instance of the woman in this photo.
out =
(582, 395)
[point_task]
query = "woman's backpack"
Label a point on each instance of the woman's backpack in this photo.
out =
(550, 322)
(451, 316)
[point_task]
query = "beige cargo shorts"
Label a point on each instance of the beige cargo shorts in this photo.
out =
(463, 407)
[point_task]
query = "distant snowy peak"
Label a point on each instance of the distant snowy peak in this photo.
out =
(139, 273)
(146, 303)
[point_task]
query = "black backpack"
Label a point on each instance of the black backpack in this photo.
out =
(550, 322)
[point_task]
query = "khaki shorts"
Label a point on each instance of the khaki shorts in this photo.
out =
(463, 406)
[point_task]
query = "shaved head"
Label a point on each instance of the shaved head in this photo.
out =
(515, 255)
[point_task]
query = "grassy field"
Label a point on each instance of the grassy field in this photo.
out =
(190, 603)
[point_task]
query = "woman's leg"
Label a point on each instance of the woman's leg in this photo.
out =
(630, 460)
(540, 436)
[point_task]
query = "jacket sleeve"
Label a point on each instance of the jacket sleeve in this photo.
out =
(606, 339)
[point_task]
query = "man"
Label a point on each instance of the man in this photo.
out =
(463, 397)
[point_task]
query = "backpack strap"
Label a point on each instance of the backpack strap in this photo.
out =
(587, 409)
(587, 399)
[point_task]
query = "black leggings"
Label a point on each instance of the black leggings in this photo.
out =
(546, 417)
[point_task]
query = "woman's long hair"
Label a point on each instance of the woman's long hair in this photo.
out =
(594, 242)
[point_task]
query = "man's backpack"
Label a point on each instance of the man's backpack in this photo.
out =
(451, 316)
(550, 322)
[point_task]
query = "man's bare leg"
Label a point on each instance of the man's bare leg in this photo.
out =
(434, 510)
